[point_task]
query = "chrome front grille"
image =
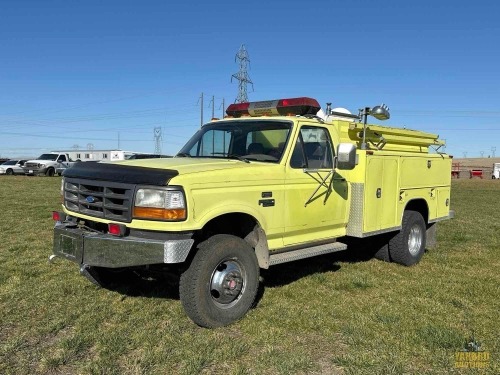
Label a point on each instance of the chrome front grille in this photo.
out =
(31, 165)
(103, 199)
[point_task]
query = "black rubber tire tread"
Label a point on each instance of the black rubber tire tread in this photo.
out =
(10, 172)
(398, 244)
(194, 282)
(50, 172)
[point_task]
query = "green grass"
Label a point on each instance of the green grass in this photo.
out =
(332, 314)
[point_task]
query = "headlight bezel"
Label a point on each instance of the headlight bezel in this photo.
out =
(145, 211)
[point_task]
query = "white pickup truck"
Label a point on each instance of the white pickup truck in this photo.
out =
(48, 164)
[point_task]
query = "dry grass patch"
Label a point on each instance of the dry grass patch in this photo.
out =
(337, 314)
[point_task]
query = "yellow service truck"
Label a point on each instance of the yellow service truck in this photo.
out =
(272, 182)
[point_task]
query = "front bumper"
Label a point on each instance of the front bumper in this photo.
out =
(34, 171)
(103, 250)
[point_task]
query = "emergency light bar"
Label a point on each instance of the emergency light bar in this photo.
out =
(280, 107)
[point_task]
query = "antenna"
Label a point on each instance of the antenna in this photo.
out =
(157, 134)
(242, 75)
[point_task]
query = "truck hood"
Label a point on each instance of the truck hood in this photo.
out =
(189, 165)
(155, 171)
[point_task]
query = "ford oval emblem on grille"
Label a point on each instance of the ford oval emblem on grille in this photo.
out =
(90, 199)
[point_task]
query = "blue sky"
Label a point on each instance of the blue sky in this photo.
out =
(107, 73)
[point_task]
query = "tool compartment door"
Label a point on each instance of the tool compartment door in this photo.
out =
(381, 194)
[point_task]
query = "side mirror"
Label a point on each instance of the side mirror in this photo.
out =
(346, 156)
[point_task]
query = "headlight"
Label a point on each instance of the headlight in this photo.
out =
(159, 204)
(41, 165)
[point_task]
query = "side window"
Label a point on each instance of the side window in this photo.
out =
(313, 149)
(61, 158)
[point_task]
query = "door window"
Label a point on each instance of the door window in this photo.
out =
(313, 149)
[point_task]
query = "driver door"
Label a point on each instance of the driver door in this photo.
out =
(316, 195)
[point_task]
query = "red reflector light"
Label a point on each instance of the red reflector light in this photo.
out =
(116, 229)
(293, 106)
(58, 216)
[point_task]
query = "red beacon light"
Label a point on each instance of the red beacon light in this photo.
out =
(280, 107)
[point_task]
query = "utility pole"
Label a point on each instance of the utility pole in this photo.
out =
(213, 106)
(482, 153)
(200, 100)
(465, 154)
(242, 75)
(223, 107)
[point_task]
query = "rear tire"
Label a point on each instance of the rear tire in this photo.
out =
(408, 245)
(10, 172)
(221, 283)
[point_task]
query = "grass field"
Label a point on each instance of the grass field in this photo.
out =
(336, 314)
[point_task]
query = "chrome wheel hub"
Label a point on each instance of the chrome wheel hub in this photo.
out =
(415, 240)
(227, 283)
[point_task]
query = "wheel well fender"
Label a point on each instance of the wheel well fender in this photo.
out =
(240, 225)
(420, 205)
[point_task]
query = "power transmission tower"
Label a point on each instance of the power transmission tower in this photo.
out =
(493, 149)
(242, 75)
(157, 133)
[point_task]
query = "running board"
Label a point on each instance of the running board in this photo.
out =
(290, 256)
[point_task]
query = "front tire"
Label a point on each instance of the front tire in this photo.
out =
(10, 172)
(408, 245)
(221, 283)
(50, 172)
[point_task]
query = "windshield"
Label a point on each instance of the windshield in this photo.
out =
(248, 140)
(47, 157)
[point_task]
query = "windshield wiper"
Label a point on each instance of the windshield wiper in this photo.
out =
(238, 157)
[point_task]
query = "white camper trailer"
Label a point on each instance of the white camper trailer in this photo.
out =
(495, 174)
